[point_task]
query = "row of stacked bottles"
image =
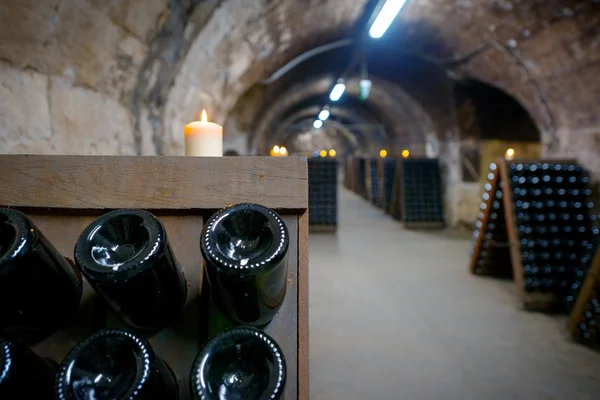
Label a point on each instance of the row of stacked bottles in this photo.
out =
(126, 257)
(322, 192)
(409, 189)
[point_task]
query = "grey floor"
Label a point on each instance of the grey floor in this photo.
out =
(395, 315)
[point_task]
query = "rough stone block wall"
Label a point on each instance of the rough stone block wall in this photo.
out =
(67, 72)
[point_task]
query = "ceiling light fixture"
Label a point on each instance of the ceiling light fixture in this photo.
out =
(318, 124)
(324, 114)
(338, 90)
(386, 16)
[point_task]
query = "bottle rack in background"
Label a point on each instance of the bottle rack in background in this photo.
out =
(548, 226)
(322, 194)
(389, 168)
(490, 251)
(361, 189)
(373, 183)
(64, 194)
(422, 197)
(348, 167)
(584, 322)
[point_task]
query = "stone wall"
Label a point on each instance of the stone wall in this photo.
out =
(123, 76)
(66, 71)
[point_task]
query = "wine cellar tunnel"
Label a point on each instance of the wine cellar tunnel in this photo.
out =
(448, 96)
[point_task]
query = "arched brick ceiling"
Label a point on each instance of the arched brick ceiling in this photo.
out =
(542, 52)
(134, 71)
(406, 121)
(332, 135)
(356, 116)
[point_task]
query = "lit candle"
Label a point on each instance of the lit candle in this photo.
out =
(203, 138)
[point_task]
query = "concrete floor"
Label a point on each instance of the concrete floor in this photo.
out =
(394, 314)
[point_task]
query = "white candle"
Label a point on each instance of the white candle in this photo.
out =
(203, 138)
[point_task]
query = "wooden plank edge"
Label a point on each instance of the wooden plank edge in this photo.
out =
(303, 321)
(513, 237)
(322, 228)
(188, 183)
(585, 294)
(395, 191)
(484, 221)
(423, 224)
(532, 301)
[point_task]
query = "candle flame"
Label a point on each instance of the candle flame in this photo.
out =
(204, 118)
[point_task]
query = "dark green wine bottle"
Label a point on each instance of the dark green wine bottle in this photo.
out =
(245, 249)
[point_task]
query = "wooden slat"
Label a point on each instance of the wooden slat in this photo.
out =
(322, 228)
(395, 209)
(284, 327)
(531, 300)
(484, 221)
(424, 225)
(380, 185)
(303, 340)
(103, 182)
(511, 226)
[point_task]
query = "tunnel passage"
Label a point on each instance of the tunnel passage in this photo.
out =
(491, 122)
(123, 77)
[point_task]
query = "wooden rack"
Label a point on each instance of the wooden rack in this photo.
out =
(486, 209)
(388, 176)
(590, 285)
(499, 172)
(395, 207)
(410, 198)
(371, 180)
(323, 196)
(63, 194)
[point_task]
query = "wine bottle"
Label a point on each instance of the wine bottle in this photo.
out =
(127, 258)
(24, 374)
(239, 363)
(114, 364)
(245, 251)
(39, 290)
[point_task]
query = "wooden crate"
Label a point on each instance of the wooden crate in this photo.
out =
(63, 194)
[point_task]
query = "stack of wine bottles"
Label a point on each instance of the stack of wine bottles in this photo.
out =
(584, 322)
(490, 249)
(322, 191)
(554, 226)
(361, 187)
(422, 192)
(374, 184)
(348, 165)
(126, 257)
(549, 224)
(389, 175)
